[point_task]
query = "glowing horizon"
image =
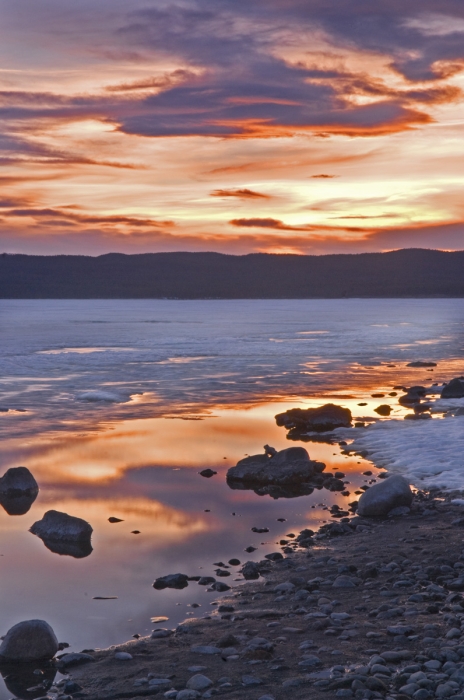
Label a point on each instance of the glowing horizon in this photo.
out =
(288, 127)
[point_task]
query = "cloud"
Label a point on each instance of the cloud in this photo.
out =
(240, 194)
(267, 223)
(322, 176)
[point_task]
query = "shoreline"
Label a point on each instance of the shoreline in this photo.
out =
(340, 605)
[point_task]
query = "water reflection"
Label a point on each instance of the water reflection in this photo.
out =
(23, 681)
(78, 550)
(16, 504)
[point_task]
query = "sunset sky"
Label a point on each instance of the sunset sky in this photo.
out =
(289, 126)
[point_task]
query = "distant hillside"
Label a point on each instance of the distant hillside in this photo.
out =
(403, 273)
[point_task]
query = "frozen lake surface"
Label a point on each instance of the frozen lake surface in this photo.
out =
(116, 405)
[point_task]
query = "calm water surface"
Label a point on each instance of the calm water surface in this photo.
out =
(116, 405)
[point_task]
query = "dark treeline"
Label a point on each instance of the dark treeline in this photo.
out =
(402, 273)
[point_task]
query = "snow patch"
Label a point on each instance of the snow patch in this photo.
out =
(429, 453)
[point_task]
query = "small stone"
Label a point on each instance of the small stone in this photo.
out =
(187, 694)
(249, 681)
(161, 634)
(160, 683)
(207, 473)
(199, 682)
(123, 656)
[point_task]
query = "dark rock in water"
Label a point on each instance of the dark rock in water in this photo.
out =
(27, 641)
(413, 395)
(19, 677)
(317, 420)
(64, 534)
(18, 490)
(250, 549)
(418, 363)
(207, 473)
(383, 497)
(260, 530)
(250, 571)
(290, 466)
(234, 562)
(454, 389)
(61, 526)
(220, 586)
(177, 581)
(273, 556)
(206, 580)
(115, 520)
(383, 410)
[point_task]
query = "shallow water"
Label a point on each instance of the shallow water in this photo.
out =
(116, 405)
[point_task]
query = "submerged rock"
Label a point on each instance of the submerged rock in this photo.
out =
(454, 389)
(317, 420)
(64, 534)
(290, 466)
(31, 640)
(383, 497)
(18, 490)
(419, 363)
(383, 410)
(207, 473)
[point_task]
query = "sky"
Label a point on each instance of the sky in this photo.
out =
(239, 126)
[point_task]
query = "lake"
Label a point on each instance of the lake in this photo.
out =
(115, 406)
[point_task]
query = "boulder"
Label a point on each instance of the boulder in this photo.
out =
(454, 389)
(64, 534)
(383, 497)
(18, 490)
(317, 420)
(31, 640)
(290, 466)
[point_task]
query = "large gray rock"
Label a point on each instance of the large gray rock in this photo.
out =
(18, 490)
(381, 498)
(31, 640)
(290, 466)
(62, 527)
(454, 389)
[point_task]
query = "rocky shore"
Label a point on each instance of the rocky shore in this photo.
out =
(367, 608)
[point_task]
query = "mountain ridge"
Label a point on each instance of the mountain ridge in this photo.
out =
(412, 272)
